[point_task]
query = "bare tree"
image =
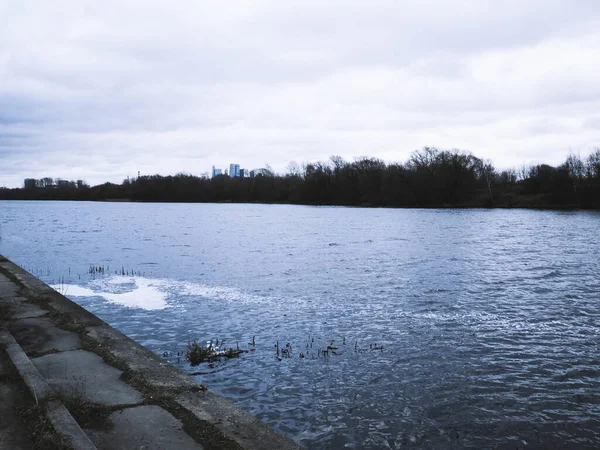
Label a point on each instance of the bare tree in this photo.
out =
(576, 169)
(593, 164)
(337, 162)
(488, 173)
(293, 169)
(424, 159)
(269, 170)
(524, 172)
(509, 176)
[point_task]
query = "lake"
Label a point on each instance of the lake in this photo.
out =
(488, 319)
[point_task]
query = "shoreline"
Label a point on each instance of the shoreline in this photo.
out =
(532, 207)
(55, 344)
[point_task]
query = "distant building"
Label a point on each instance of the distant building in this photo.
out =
(216, 171)
(242, 173)
(62, 183)
(30, 183)
(80, 184)
(234, 170)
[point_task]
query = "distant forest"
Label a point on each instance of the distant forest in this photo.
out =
(430, 178)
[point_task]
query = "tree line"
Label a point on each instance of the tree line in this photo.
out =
(430, 178)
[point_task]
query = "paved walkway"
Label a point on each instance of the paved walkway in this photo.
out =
(111, 413)
(15, 400)
(133, 402)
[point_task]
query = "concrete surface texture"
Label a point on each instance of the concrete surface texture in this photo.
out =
(38, 335)
(8, 289)
(84, 375)
(27, 310)
(14, 432)
(103, 390)
(37, 385)
(71, 432)
(147, 427)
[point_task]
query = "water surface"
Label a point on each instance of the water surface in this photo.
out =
(488, 318)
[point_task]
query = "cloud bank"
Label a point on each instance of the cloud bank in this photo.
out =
(99, 90)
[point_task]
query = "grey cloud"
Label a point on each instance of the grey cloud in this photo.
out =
(109, 88)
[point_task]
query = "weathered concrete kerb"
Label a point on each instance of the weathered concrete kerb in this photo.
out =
(92, 387)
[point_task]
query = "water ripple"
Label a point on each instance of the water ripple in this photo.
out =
(488, 319)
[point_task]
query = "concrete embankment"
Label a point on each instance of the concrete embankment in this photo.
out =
(79, 383)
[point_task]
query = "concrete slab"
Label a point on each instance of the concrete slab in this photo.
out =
(39, 335)
(244, 429)
(26, 310)
(63, 422)
(158, 373)
(81, 373)
(27, 371)
(25, 278)
(5, 365)
(8, 289)
(14, 434)
(143, 427)
(22, 371)
(7, 308)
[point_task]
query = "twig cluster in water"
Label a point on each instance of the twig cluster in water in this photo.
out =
(96, 269)
(330, 350)
(196, 353)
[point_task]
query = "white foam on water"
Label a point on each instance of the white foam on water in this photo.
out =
(152, 293)
(220, 293)
(155, 293)
(141, 293)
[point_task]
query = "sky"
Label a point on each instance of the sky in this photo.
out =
(101, 90)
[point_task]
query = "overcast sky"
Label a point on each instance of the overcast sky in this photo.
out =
(101, 89)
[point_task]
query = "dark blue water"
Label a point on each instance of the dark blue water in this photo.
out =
(488, 319)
